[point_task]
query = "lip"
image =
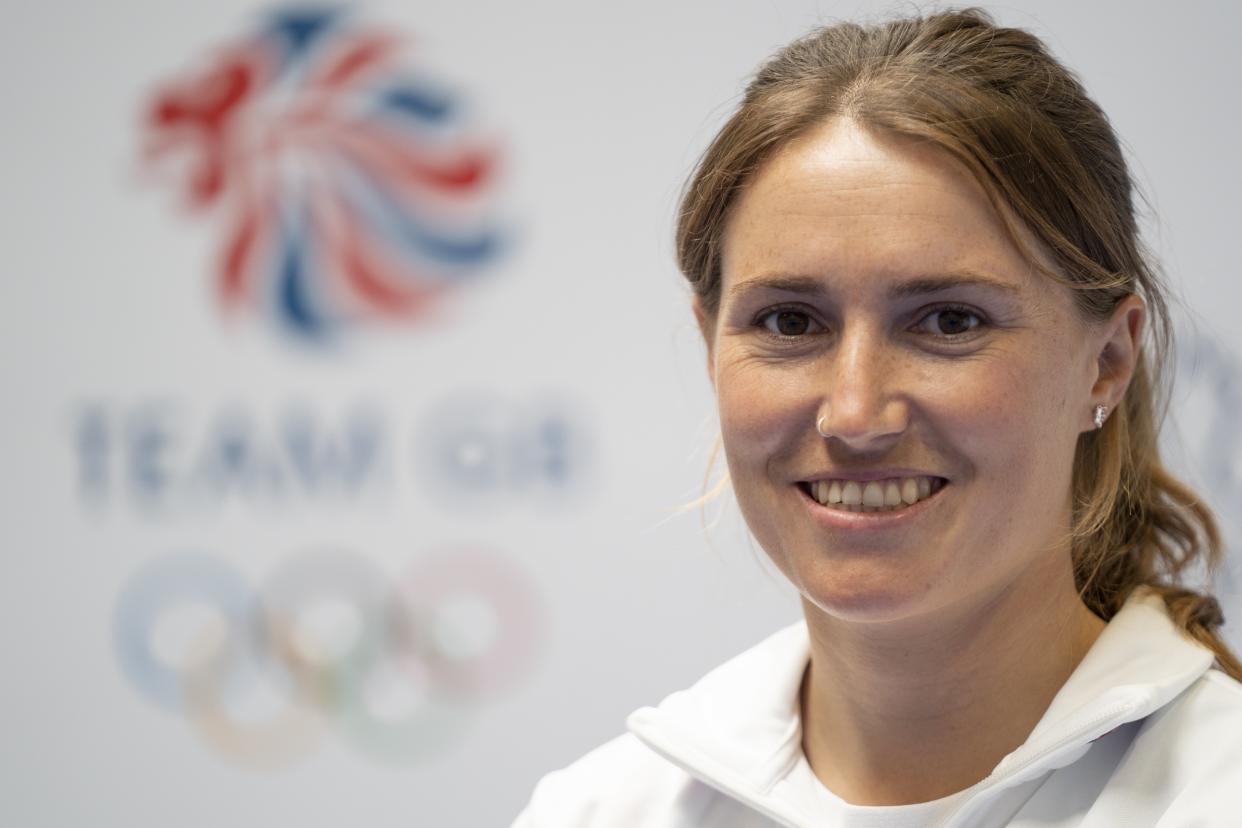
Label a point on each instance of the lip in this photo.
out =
(875, 474)
(854, 521)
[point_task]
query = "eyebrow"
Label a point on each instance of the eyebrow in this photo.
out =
(923, 285)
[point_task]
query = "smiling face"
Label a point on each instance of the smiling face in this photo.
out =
(869, 286)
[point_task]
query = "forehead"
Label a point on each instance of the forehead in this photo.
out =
(845, 204)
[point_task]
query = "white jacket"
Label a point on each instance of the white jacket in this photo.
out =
(1146, 732)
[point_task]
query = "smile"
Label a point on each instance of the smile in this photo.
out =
(891, 495)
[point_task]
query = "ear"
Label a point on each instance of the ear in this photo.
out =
(707, 327)
(1117, 351)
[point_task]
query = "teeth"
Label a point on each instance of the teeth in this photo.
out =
(874, 495)
(851, 493)
(909, 491)
(892, 494)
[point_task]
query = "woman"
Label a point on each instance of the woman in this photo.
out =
(935, 344)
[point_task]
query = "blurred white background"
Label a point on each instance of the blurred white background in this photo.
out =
(144, 422)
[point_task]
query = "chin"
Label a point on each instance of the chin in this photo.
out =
(862, 602)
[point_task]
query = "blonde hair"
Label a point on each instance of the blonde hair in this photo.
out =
(998, 102)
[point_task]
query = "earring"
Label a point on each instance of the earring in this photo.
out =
(1101, 413)
(819, 426)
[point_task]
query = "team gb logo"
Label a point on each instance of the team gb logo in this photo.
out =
(348, 187)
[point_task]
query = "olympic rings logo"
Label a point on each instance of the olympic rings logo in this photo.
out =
(397, 664)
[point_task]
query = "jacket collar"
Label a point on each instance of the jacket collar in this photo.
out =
(738, 728)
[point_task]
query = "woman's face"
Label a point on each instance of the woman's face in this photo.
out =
(869, 285)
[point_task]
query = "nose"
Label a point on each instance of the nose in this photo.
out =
(863, 407)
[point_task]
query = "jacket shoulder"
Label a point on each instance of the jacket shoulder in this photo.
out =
(1226, 687)
(1208, 710)
(620, 783)
(1202, 728)
(1186, 761)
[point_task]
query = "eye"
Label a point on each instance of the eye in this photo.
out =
(787, 322)
(950, 322)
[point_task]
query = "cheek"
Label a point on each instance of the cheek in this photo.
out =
(1035, 405)
(761, 408)
(1008, 411)
(1013, 425)
(999, 414)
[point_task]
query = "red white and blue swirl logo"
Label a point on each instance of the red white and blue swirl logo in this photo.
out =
(350, 185)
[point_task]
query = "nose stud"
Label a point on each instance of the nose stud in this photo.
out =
(1101, 414)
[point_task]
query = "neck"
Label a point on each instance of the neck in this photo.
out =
(914, 710)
